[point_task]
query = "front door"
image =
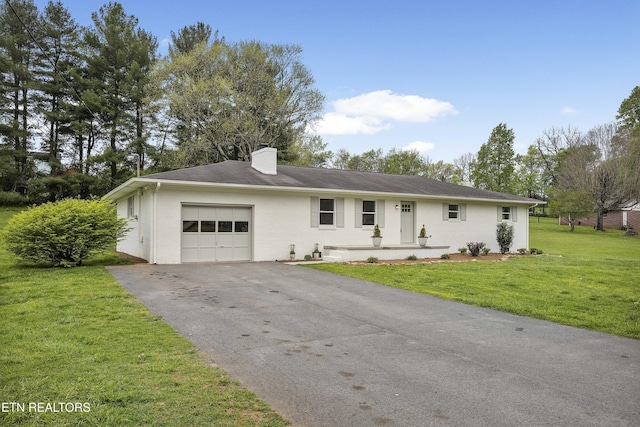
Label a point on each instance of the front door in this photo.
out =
(407, 230)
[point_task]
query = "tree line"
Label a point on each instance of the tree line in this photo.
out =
(577, 173)
(81, 108)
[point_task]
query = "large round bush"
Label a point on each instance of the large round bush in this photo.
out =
(64, 233)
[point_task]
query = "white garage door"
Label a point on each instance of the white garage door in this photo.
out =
(217, 233)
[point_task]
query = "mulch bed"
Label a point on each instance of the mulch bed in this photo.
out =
(457, 257)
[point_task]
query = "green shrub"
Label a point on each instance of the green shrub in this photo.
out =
(504, 236)
(445, 256)
(535, 251)
(462, 250)
(11, 198)
(485, 251)
(308, 257)
(64, 233)
(475, 247)
(522, 251)
(372, 260)
(412, 258)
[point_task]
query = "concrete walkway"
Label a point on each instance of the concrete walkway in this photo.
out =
(325, 350)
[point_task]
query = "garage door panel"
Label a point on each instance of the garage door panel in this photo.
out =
(242, 241)
(225, 240)
(224, 214)
(190, 254)
(225, 254)
(241, 253)
(190, 240)
(216, 233)
(241, 214)
(207, 254)
(190, 213)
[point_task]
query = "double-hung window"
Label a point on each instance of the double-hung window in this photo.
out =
(507, 213)
(368, 212)
(327, 211)
(454, 212)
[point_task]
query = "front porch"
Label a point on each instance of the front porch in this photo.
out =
(386, 252)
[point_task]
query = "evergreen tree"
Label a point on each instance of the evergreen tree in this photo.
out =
(19, 22)
(118, 57)
(189, 37)
(59, 51)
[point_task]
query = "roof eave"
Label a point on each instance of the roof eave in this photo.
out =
(135, 183)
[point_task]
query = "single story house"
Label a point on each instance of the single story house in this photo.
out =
(259, 211)
(626, 216)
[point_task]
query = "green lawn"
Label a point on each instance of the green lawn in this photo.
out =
(75, 336)
(586, 279)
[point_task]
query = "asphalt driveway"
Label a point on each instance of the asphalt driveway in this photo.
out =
(325, 350)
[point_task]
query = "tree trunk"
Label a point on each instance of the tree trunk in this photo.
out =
(600, 222)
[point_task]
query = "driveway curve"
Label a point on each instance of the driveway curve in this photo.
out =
(326, 350)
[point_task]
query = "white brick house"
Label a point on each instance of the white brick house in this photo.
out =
(255, 211)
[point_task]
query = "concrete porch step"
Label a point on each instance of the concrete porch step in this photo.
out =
(386, 252)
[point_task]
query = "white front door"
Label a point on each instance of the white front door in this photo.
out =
(407, 230)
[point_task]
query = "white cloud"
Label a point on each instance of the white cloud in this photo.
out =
(372, 112)
(387, 105)
(341, 124)
(420, 146)
(569, 111)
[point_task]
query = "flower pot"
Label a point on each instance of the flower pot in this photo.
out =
(422, 241)
(292, 257)
(376, 241)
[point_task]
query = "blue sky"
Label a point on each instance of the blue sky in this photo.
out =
(433, 75)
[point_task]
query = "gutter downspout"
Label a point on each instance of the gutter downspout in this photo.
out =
(530, 207)
(139, 216)
(154, 227)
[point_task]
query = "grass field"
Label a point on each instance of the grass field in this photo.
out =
(586, 279)
(76, 340)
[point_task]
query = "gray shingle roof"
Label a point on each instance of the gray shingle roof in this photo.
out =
(237, 172)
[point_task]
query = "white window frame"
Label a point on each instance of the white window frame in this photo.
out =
(131, 207)
(507, 213)
(455, 211)
(369, 213)
(460, 212)
(332, 212)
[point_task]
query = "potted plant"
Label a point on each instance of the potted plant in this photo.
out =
(422, 238)
(377, 237)
(292, 252)
(316, 252)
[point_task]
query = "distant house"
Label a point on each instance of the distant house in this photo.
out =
(258, 211)
(626, 216)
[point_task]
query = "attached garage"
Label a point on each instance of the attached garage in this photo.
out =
(216, 233)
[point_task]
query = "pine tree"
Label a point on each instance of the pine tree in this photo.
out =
(18, 23)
